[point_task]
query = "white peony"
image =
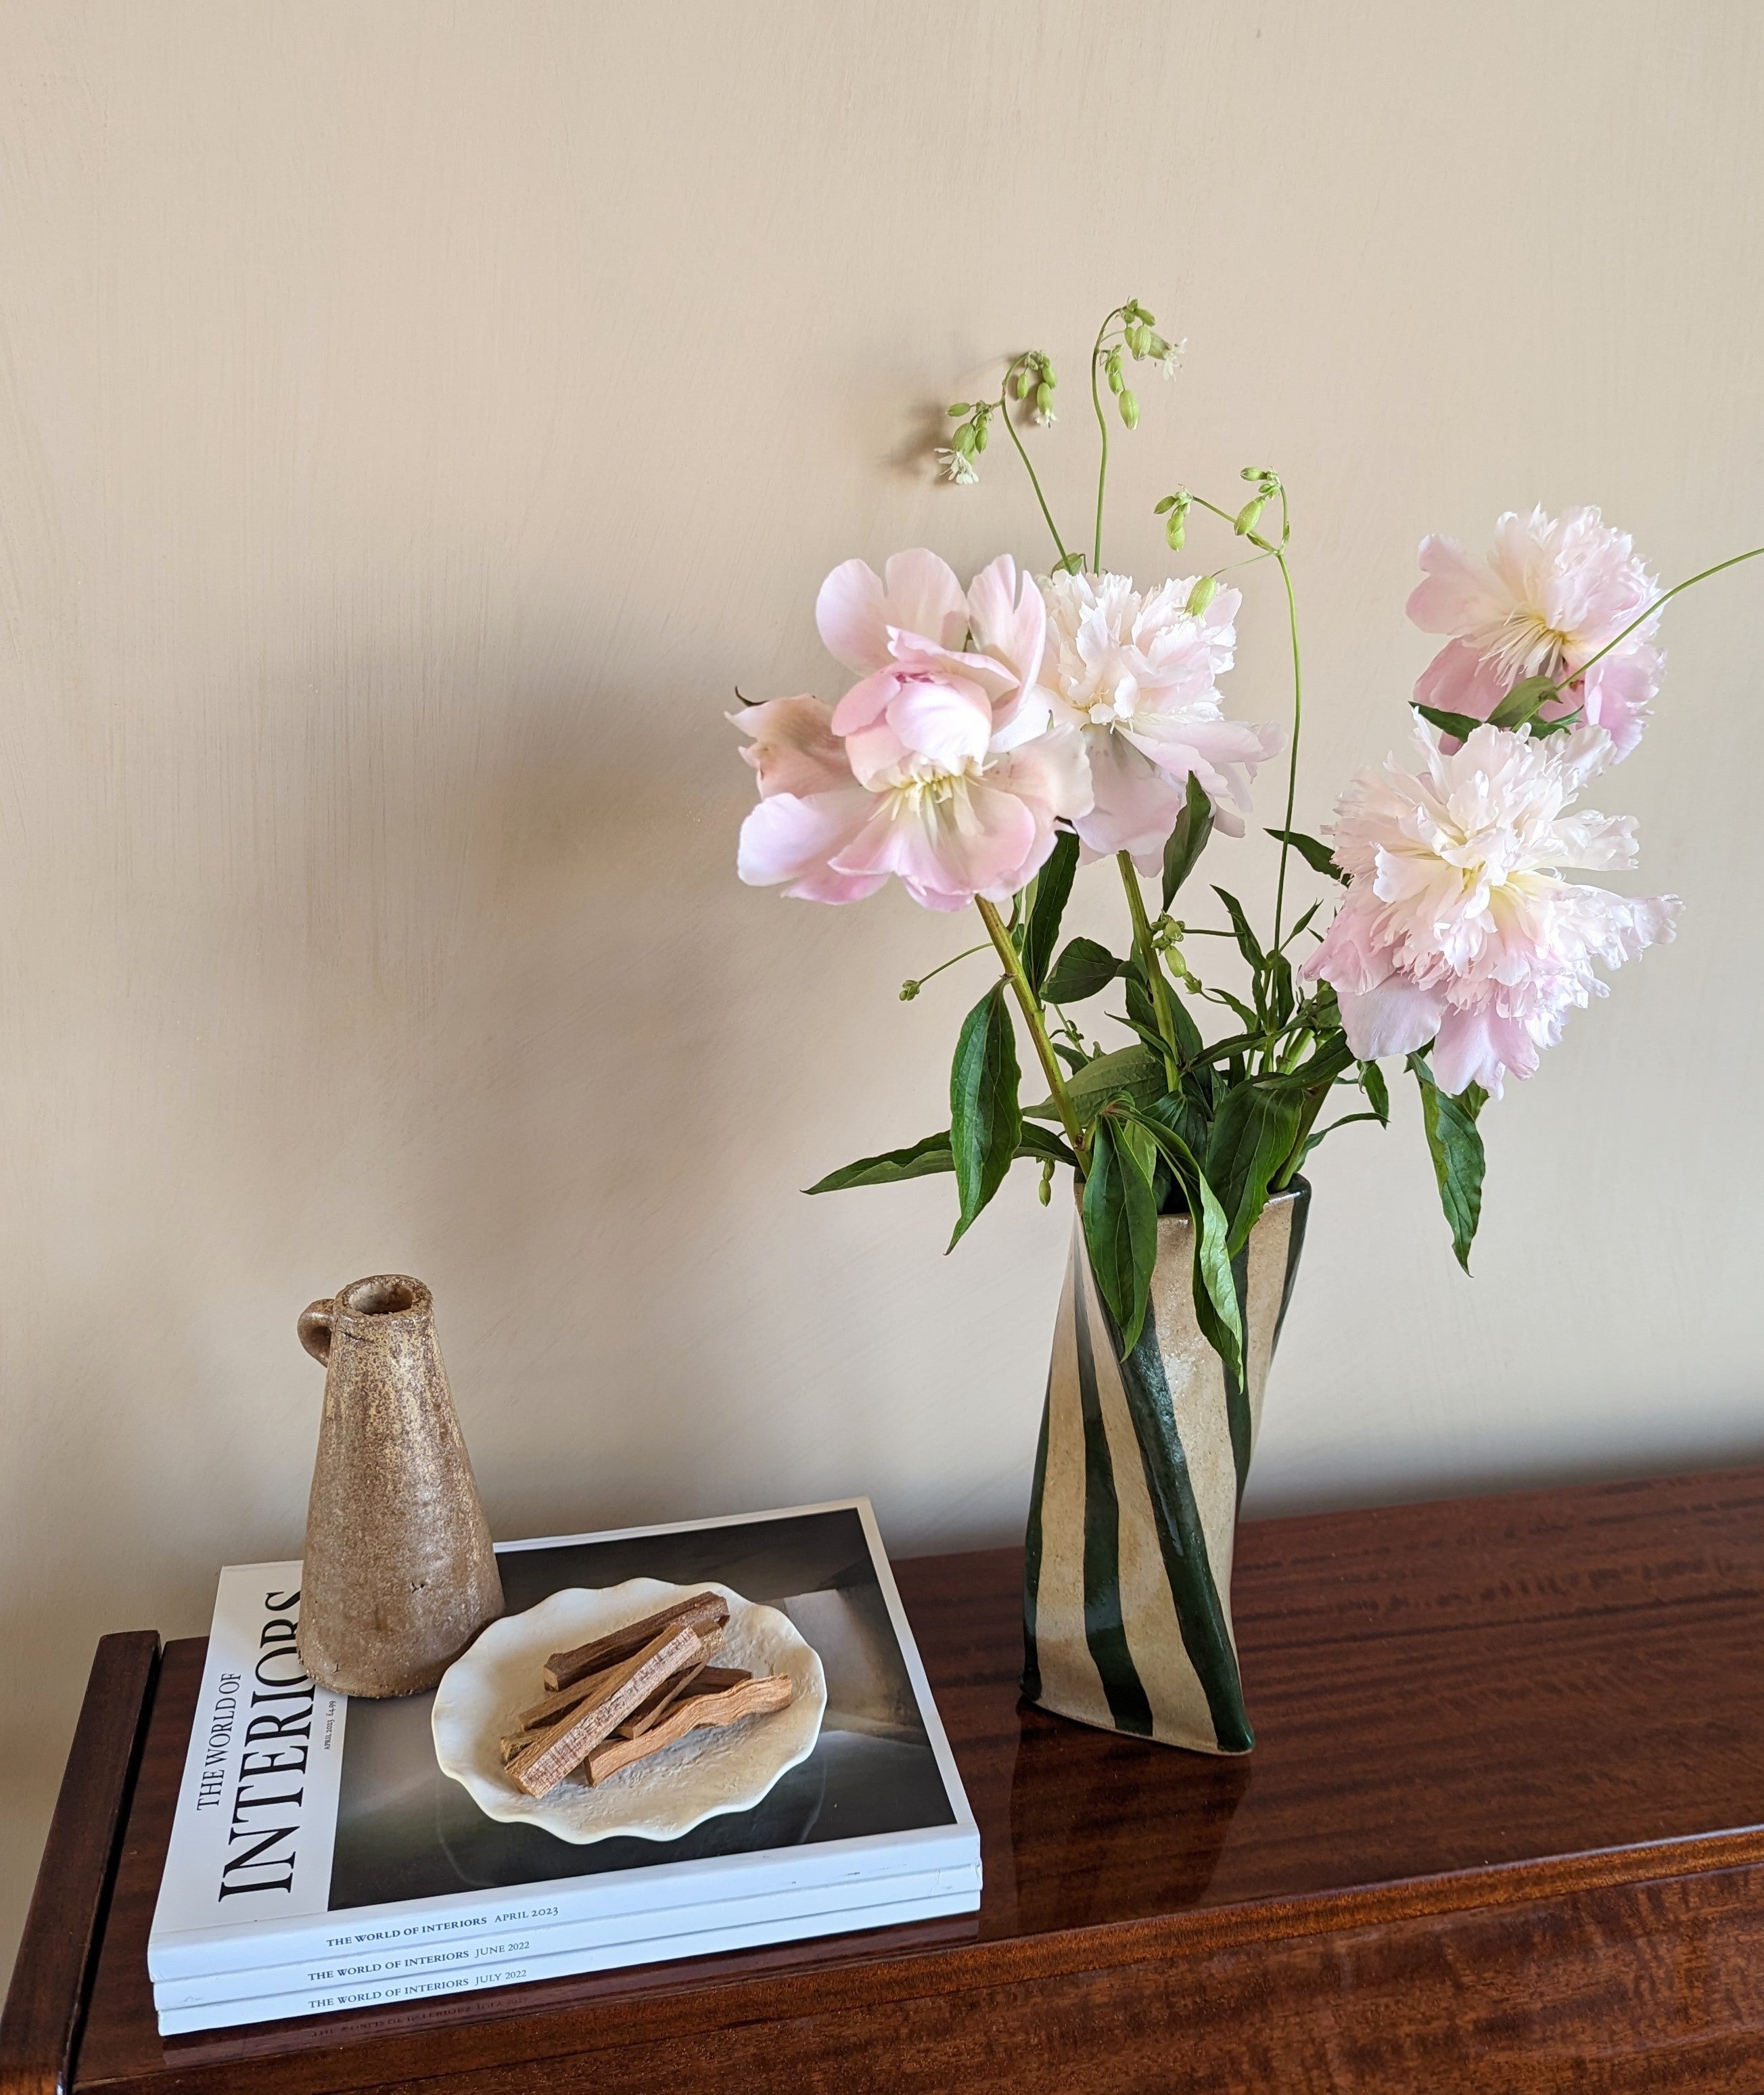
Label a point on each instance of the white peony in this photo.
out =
(1137, 676)
(1458, 926)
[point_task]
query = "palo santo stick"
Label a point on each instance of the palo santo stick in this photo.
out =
(563, 1668)
(663, 1699)
(547, 1710)
(550, 1707)
(706, 1680)
(543, 1714)
(748, 1698)
(613, 1696)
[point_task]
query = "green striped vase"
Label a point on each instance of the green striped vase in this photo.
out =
(1139, 1475)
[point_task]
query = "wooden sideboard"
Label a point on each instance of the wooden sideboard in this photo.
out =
(1504, 1831)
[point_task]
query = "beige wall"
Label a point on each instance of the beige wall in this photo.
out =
(414, 418)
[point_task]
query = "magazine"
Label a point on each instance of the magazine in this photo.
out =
(316, 1837)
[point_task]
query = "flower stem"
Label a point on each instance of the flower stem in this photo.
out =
(1031, 1010)
(917, 985)
(1102, 425)
(1690, 581)
(1004, 409)
(1151, 968)
(1292, 759)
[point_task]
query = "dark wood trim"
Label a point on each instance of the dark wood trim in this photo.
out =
(1501, 1835)
(40, 2024)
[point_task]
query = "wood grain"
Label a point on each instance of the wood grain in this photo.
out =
(615, 1694)
(1501, 1832)
(562, 1669)
(40, 2023)
(712, 1710)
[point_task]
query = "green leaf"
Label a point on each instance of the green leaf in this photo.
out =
(1522, 702)
(1247, 942)
(1560, 725)
(1046, 905)
(1346, 1120)
(1120, 1220)
(1254, 1131)
(1142, 1014)
(1184, 1114)
(1457, 1150)
(1189, 1043)
(1135, 1071)
(934, 1154)
(1041, 1145)
(916, 1161)
(1377, 1091)
(984, 1121)
(1461, 724)
(1188, 839)
(1215, 1286)
(1315, 854)
(1083, 969)
(1303, 923)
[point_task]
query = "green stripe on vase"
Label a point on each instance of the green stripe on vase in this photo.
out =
(1032, 1552)
(1104, 1631)
(1182, 1542)
(1301, 1191)
(1237, 1415)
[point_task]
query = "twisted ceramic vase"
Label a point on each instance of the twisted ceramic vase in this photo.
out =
(1139, 1475)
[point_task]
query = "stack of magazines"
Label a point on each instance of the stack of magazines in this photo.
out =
(320, 1861)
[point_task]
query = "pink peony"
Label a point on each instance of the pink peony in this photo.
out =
(938, 766)
(1135, 678)
(1457, 927)
(1552, 593)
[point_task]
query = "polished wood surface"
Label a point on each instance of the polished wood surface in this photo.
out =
(1501, 1829)
(40, 2023)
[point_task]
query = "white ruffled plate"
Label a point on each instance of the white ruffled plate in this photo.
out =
(704, 1774)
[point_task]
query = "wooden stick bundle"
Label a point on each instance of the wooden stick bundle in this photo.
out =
(620, 1697)
(562, 1668)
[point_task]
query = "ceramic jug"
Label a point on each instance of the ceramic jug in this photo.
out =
(399, 1574)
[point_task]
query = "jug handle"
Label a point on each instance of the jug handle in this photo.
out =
(315, 1328)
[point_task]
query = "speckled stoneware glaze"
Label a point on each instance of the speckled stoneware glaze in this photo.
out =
(1133, 1517)
(399, 1574)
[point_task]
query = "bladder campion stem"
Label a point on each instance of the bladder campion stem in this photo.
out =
(1004, 409)
(1151, 969)
(1031, 1010)
(1292, 757)
(1102, 426)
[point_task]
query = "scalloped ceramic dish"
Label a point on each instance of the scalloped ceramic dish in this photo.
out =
(699, 1776)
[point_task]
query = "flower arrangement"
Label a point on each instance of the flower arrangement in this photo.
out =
(999, 737)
